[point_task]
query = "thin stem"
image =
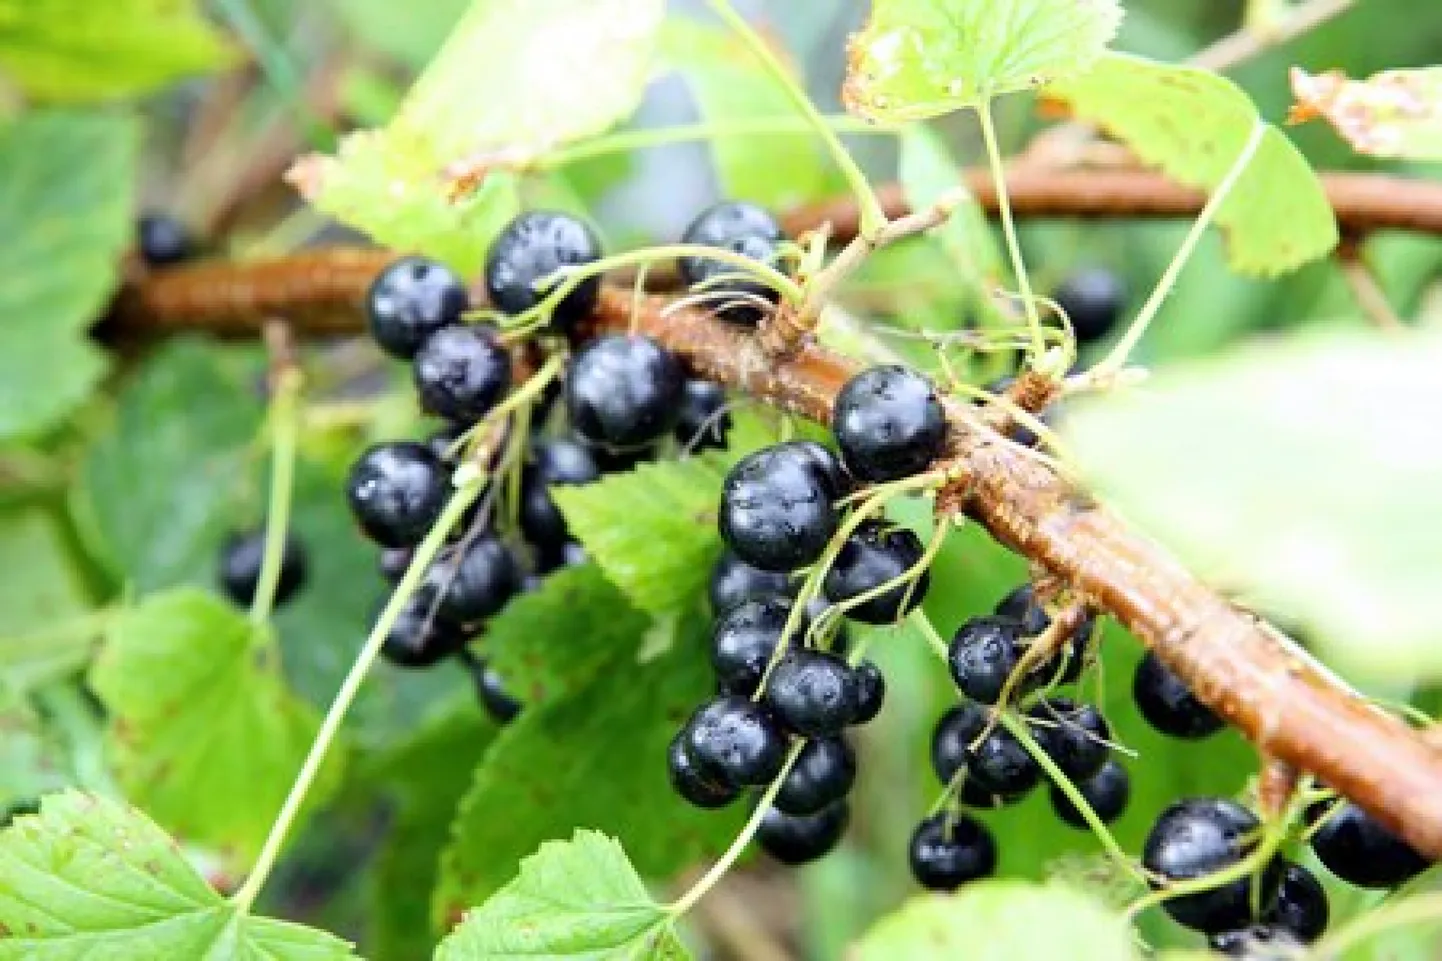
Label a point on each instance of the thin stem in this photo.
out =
(1063, 783)
(1118, 357)
(456, 507)
(1414, 910)
(1248, 866)
(872, 216)
(280, 72)
(284, 428)
(1008, 229)
(933, 637)
(718, 870)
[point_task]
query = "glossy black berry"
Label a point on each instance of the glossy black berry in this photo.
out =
(526, 254)
(983, 654)
(1196, 837)
(745, 639)
(1093, 299)
(702, 421)
(797, 839)
(1107, 791)
(397, 490)
(554, 463)
(1021, 605)
(950, 742)
(742, 228)
(822, 462)
(1257, 942)
(241, 558)
(461, 372)
(822, 775)
(688, 781)
(1358, 849)
(870, 692)
(475, 580)
(1074, 736)
(948, 851)
(163, 241)
(973, 795)
(735, 741)
(1301, 907)
(877, 553)
(1066, 666)
(734, 581)
(623, 390)
(812, 692)
(410, 300)
(776, 513)
(498, 702)
(420, 636)
(393, 563)
(1168, 705)
(888, 423)
(1001, 765)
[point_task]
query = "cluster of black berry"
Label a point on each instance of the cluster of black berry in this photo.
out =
(782, 671)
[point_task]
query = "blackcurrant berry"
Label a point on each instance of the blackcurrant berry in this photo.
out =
(1001, 765)
(241, 557)
(461, 372)
(1107, 791)
(952, 738)
(870, 692)
(393, 563)
(1257, 942)
(775, 513)
(420, 636)
(410, 300)
(888, 423)
(877, 553)
(822, 775)
(476, 580)
(397, 490)
(1074, 736)
(826, 466)
(734, 581)
(745, 229)
(1093, 299)
(745, 639)
(619, 460)
(1064, 667)
(797, 839)
(499, 703)
(1301, 907)
(688, 781)
(1358, 849)
(983, 654)
(702, 421)
(555, 463)
(812, 692)
(948, 851)
(163, 241)
(623, 390)
(735, 741)
(445, 443)
(1196, 837)
(533, 247)
(973, 795)
(1021, 605)
(1168, 705)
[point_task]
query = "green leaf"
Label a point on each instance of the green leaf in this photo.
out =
(728, 86)
(43, 631)
(411, 33)
(1287, 473)
(553, 641)
(66, 218)
(492, 97)
(1397, 113)
(1193, 124)
(596, 759)
(652, 530)
(30, 761)
(426, 776)
(921, 58)
(89, 878)
(81, 50)
(574, 899)
(204, 733)
(1000, 921)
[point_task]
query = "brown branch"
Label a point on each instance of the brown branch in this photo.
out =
(1363, 202)
(1276, 697)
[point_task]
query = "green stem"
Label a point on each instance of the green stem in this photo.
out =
(279, 71)
(933, 637)
(1008, 229)
(455, 509)
(1414, 910)
(1115, 360)
(698, 890)
(284, 428)
(872, 216)
(630, 140)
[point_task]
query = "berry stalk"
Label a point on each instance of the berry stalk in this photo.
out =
(284, 428)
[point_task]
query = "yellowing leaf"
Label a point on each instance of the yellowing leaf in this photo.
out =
(1397, 113)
